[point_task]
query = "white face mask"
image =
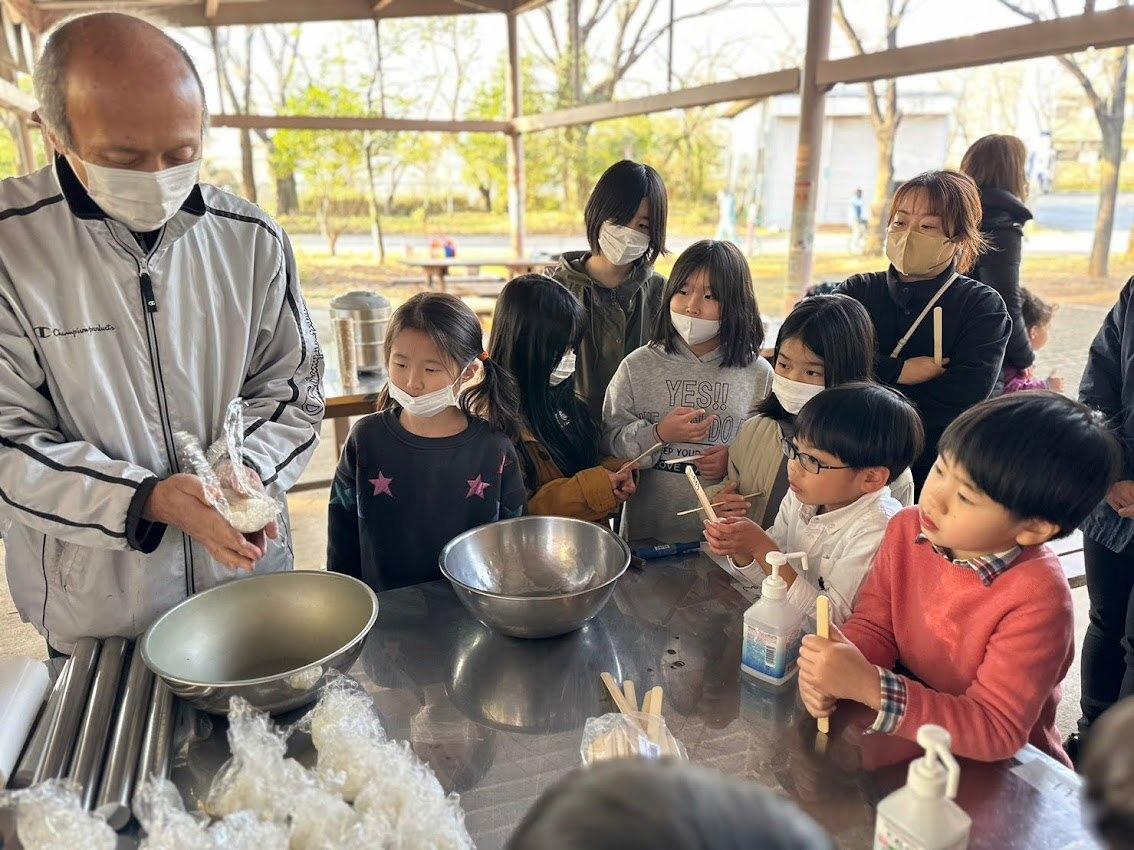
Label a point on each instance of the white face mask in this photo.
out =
(424, 406)
(694, 331)
(141, 200)
(792, 395)
(621, 245)
(564, 370)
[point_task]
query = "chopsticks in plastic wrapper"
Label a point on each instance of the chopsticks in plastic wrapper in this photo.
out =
(226, 477)
(632, 731)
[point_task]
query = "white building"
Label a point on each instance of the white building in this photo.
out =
(849, 152)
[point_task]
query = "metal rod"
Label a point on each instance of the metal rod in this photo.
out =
(117, 786)
(154, 758)
(36, 745)
(61, 737)
(90, 748)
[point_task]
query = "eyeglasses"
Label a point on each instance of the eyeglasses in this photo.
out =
(808, 462)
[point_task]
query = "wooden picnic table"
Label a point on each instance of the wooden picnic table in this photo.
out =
(436, 271)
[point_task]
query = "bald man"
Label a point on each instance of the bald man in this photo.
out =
(136, 303)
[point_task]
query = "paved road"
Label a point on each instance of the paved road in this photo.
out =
(1067, 222)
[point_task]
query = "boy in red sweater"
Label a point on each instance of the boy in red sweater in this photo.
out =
(964, 597)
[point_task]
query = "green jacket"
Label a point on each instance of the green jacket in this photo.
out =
(612, 332)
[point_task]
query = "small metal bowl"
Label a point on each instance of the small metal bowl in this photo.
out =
(266, 638)
(535, 576)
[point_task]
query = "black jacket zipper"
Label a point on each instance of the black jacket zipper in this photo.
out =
(149, 307)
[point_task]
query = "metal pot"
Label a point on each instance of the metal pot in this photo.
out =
(370, 313)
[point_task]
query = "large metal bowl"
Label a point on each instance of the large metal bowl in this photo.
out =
(267, 638)
(535, 577)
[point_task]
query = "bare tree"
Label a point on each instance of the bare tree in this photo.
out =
(239, 96)
(1109, 107)
(885, 116)
(585, 76)
(281, 44)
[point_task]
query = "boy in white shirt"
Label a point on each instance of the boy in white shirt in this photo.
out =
(851, 441)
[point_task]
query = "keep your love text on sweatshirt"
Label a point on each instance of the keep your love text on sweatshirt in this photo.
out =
(648, 385)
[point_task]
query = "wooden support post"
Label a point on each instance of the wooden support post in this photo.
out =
(516, 181)
(809, 151)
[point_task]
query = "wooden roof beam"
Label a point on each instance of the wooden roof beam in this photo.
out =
(1046, 38)
(25, 12)
(745, 88)
(15, 99)
(211, 8)
(380, 6)
(317, 122)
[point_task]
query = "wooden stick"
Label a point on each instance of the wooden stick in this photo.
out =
(616, 694)
(715, 505)
(631, 694)
(938, 357)
(700, 491)
(651, 706)
(823, 629)
(647, 452)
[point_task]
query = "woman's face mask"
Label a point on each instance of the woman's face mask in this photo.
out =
(425, 406)
(693, 330)
(422, 378)
(622, 245)
(917, 254)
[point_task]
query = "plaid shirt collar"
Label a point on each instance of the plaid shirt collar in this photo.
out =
(988, 567)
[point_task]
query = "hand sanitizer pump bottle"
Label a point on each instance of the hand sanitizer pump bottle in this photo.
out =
(922, 815)
(772, 630)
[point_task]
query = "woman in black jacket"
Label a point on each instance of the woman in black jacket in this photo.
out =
(1108, 534)
(997, 165)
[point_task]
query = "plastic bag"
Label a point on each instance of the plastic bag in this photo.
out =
(628, 735)
(225, 476)
(162, 815)
(347, 735)
(50, 816)
(258, 776)
(246, 831)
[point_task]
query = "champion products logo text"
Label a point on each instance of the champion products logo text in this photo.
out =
(43, 331)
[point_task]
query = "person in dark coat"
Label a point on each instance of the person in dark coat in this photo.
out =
(1108, 533)
(997, 165)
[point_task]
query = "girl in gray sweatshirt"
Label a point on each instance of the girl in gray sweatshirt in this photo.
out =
(690, 389)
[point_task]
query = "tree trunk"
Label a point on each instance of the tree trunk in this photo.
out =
(330, 233)
(379, 243)
(1109, 163)
(875, 226)
(287, 196)
(247, 168)
(486, 196)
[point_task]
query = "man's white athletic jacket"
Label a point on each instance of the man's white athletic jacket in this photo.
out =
(106, 349)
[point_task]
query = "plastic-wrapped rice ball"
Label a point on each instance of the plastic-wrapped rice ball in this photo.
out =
(320, 820)
(247, 831)
(348, 736)
(51, 817)
(438, 825)
(258, 777)
(162, 814)
(249, 514)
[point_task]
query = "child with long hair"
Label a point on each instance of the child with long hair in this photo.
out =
(436, 459)
(536, 332)
(690, 389)
(932, 239)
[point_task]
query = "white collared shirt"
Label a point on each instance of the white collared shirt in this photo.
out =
(840, 548)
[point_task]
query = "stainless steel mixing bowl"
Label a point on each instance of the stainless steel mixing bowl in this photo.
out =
(537, 576)
(267, 638)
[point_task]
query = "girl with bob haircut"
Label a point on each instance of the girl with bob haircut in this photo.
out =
(536, 331)
(690, 389)
(933, 238)
(997, 164)
(615, 279)
(826, 341)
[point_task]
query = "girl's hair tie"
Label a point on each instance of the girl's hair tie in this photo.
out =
(482, 357)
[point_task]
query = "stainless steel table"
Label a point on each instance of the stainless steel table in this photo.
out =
(500, 720)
